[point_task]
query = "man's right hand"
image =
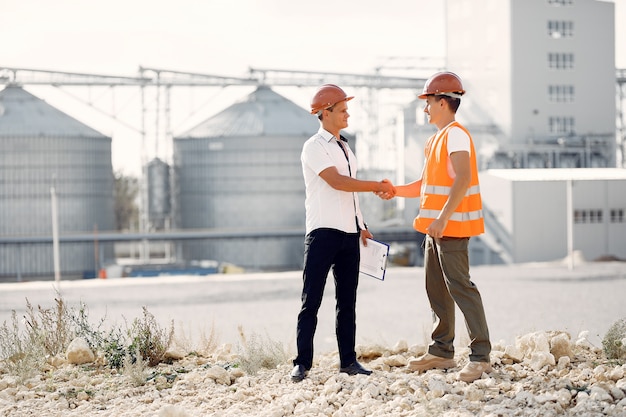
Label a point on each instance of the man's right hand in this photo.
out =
(387, 190)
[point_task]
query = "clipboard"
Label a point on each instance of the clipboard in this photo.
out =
(374, 259)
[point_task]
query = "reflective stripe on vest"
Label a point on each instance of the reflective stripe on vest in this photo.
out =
(456, 216)
(467, 219)
(443, 190)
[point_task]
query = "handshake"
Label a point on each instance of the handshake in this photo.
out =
(387, 191)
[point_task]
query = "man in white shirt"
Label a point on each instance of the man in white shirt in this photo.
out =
(334, 225)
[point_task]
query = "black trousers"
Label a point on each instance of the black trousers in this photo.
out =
(323, 249)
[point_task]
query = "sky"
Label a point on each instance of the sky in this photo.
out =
(220, 37)
(216, 36)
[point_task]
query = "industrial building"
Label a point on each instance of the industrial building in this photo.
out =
(544, 98)
(538, 104)
(538, 78)
(541, 220)
(45, 155)
(241, 169)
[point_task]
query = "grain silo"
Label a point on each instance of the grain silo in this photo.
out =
(241, 170)
(159, 201)
(42, 147)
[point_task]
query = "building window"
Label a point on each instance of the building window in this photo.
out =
(560, 29)
(617, 215)
(561, 125)
(560, 2)
(595, 216)
(590, 216)
(578, 216)
(561, 93)
(560, 60)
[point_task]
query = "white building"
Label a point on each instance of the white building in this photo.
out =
(541, 84)
(541, 73)
(533, 212)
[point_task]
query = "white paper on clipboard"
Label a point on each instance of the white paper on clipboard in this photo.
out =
(374, 258)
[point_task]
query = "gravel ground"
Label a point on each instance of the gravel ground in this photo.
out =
(546, 322)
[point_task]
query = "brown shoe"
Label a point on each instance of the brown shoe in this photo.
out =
(473, 370)
(428, 361)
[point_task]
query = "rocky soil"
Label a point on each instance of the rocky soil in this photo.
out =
(543, 374)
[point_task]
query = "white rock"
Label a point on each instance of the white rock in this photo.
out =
(474, 394)
(564, 362)
(79, 352)
(563, 397)
(560, 346)
(533, 342)
(539, 359)
(544, 398)
(436, 387)
(371, 391)
(400, 347)
(512, 352)
(395, 361)
(617, 393)
(369, 352)
(616, 374)
(175, 354)
(524, 398)
(583, 341)
(219, 375)
(599, 394)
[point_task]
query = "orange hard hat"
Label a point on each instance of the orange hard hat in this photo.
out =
(327, 96)
(443, 84)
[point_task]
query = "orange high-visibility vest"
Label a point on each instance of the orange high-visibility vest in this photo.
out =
(467, 220)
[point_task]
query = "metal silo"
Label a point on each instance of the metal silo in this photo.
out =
(241, 170)
(41, 147)
(159, 204)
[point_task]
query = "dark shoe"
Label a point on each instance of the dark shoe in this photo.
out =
(355, 368)
(298, 373)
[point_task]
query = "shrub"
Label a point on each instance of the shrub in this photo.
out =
(149, 340)
(49, 326)
(260, 353)
(21, 353)
(613, 342)
(48, 332)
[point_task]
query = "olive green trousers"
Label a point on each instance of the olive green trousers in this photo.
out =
(446, 263)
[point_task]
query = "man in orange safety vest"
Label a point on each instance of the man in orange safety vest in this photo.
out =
(450, 214)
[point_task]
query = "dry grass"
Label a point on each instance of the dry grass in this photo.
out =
(26, 345)
(205, 346)
(613, 342)
(260, 353)
(21, 353)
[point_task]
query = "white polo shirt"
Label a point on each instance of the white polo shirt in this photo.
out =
(325, 206)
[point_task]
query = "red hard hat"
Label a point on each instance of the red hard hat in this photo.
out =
(327, 96)
(443, 84)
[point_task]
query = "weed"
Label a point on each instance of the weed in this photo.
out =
(208, 343)
(113, 346)
(613, 341)
(260, 353)
(22, 354)
(135, 368)
(111, 343)
(48, 332)
(49, 326)
(148, 340)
